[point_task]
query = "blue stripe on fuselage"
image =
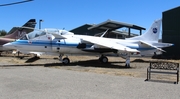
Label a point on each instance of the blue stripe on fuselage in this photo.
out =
(62, 44)
(44, 43)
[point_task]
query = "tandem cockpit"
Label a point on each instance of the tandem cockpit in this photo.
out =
(37, 33)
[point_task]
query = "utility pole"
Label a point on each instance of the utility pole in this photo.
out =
(40, 23)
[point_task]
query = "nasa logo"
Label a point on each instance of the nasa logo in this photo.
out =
(154, 30)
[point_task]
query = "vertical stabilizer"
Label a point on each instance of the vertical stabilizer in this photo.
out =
(152, 34)
(16, 32)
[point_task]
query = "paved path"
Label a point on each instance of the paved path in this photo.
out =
(33, 82)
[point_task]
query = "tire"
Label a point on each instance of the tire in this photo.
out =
(103, 59)
(66, 61)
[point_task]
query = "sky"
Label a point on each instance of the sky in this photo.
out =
(69, 14)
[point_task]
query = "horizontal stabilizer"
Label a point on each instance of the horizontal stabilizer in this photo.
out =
(150, 45)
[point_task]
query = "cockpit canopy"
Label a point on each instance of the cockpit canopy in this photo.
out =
(37, 33)
(58, 31)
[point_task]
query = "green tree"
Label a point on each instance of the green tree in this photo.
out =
(3, 32)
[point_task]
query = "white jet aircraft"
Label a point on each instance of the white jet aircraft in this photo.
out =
(67, 43)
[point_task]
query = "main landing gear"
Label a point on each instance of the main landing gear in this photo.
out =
(127, 58)
(127, 62)
(65, 60)
(103, 59)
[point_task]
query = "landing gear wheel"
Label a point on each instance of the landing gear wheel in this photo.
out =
(103, 59)
(66, 61)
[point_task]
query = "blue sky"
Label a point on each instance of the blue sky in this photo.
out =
(70, 14)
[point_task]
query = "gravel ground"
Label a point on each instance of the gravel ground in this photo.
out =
(51, 83)
(85, 78)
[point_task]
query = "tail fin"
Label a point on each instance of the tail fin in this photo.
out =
(16, 32)
(152, 34)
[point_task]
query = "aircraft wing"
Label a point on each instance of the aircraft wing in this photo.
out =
(109, 44)
(150, 45)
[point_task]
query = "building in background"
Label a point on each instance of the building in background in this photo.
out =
(171, 32)
(109, 26)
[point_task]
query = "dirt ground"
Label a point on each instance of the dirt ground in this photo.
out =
(115, 66)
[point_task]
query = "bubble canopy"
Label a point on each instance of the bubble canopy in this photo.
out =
(37, 33)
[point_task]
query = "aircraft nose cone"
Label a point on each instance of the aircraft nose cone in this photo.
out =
(8, 46)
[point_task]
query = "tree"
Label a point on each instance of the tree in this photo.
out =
(3, 32)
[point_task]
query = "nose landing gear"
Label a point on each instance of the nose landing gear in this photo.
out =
(65, 60)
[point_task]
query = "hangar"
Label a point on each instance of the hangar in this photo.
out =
(171, 32)
(110, 26)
